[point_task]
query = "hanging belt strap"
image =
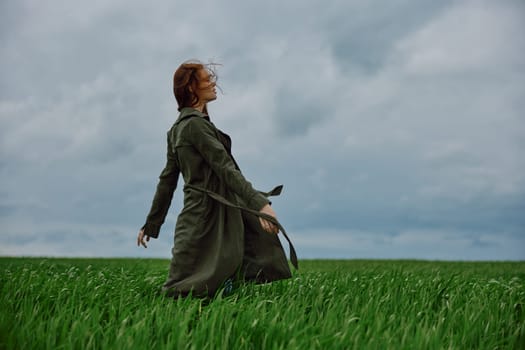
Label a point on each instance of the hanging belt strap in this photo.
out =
(275, 192)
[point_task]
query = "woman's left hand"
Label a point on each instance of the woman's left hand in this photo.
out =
(267, 225)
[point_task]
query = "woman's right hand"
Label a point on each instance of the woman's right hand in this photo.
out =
(140, 239)
(267, 225)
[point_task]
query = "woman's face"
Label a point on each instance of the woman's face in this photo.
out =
(206, 91)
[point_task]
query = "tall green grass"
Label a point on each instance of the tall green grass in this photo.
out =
(347, 304)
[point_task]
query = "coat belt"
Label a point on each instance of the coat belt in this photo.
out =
(276, 191)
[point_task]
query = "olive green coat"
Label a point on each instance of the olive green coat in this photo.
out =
(217, 235)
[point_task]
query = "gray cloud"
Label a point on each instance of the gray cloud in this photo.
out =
(364, 42)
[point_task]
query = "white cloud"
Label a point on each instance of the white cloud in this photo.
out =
(374, 117)
(480, 36)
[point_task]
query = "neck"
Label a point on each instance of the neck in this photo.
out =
(201, 108)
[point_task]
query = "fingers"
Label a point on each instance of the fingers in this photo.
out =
(268, 226)
(264, 224)
(140, 239)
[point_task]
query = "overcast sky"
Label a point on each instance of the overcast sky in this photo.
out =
(396, 127)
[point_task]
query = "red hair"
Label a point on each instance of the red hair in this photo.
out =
(186, 82)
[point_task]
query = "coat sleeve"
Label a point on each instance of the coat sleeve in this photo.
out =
(162, 200)
(202, 136)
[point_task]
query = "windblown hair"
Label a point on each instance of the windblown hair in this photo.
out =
(186, 82)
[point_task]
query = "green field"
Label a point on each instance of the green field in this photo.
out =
(329, 304)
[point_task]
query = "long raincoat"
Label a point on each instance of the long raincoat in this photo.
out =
(217, 235)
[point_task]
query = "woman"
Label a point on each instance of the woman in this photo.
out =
(226, 228)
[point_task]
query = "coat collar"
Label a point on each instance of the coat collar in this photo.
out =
(187, 112)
